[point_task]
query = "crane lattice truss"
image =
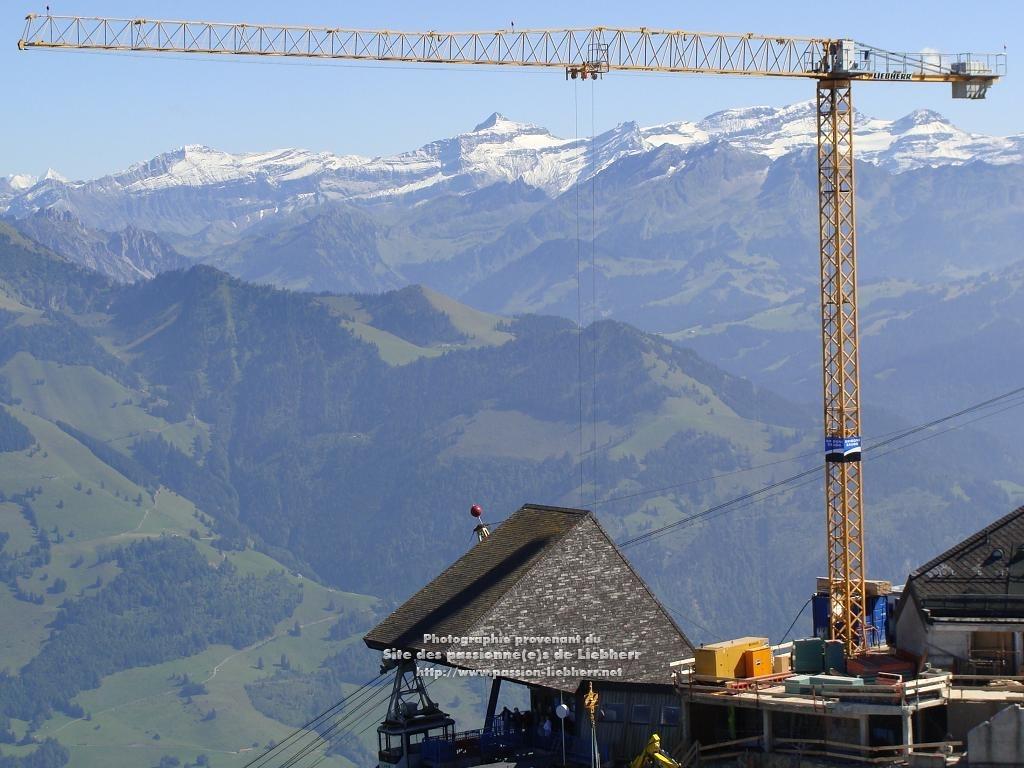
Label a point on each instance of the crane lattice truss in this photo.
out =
(835, 63)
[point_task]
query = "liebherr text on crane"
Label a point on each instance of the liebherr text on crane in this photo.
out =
(590, 53)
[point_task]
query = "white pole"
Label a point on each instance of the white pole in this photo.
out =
(563, 729)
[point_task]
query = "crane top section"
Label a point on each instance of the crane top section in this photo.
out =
(581, 52)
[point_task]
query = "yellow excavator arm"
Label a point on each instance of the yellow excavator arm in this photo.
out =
(653, 756)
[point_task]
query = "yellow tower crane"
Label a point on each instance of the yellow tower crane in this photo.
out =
(588, 53)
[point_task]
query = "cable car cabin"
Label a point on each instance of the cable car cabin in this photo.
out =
(399, 743)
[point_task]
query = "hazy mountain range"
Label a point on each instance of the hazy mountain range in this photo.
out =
(705, 231)
(273, 383)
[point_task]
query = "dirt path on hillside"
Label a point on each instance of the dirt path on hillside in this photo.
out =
(217, 667)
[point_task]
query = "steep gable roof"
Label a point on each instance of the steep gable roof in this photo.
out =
(455, 601)
(546, 572)
(969, 578)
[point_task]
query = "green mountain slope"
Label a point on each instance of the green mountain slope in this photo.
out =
(340, 439)
(66, 516)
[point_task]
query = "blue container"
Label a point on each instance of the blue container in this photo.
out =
(891, 601)
(819, 613)
(878, 620)
(876, 628)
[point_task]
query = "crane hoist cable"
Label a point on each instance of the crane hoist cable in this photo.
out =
(593, 282)
(579, 290)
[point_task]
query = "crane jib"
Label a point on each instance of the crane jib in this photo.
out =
(589, 53)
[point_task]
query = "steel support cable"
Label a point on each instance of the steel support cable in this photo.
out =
(680, 615)
(796, 619)
(950, 417)
(593, 277)
(658, 532)
(323, 742)
(257, 762)
(728, 506)
(365, 728)
(349, 732)
(1014, 404)
(891, 438)
(316, 741)
(371, 698)
(579, 287)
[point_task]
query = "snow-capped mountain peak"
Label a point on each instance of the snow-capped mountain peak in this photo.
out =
(20, 181)
(498, 149)
(919, 117)
(498, 123)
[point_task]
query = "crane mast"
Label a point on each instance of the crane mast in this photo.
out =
(844, 489)
(590, 53)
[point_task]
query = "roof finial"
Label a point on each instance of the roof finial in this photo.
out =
(481, 529)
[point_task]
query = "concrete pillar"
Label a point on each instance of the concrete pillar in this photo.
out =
(908, 728)
(865, 731)
(685, 731)
(768, 735)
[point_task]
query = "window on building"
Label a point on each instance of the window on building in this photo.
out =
(641, 713)
(615, 713)
(669, 715)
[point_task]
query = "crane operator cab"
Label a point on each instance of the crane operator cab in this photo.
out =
(842, 58)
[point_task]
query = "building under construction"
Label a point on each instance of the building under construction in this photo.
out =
(547, 602)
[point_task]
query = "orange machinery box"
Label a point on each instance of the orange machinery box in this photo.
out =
(725, 659)
(758, 662)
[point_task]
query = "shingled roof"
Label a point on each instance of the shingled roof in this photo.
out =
(546, 572)
(981, 577)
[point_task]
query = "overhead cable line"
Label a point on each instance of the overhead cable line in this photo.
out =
(786, 483)
(892, 437)
(796, 619)
(657, 532)
(259, 761)
(347, 733)
(299, 732)
(371, 698)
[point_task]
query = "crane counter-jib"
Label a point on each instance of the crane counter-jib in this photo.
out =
(588, 53)
(585, 52)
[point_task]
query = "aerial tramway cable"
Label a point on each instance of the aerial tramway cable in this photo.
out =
(345, 733)
(370, 701)
(786, 484)
(301, 732)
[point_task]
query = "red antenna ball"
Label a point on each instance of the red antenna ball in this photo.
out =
(476, 510)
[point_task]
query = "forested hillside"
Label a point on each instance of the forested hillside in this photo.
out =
(233, 481)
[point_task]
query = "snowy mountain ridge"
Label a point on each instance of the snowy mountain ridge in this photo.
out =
(496, 150)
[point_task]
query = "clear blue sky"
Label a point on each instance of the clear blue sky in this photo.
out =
(87, 114)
